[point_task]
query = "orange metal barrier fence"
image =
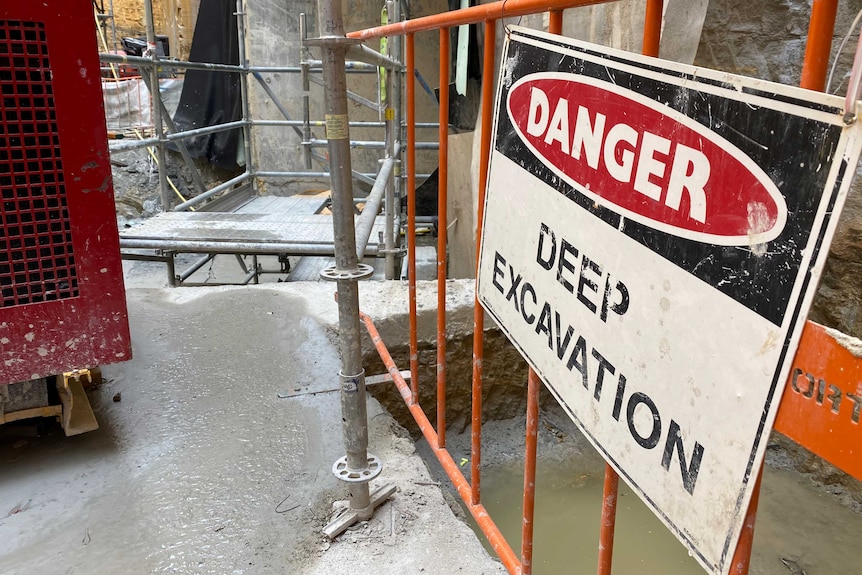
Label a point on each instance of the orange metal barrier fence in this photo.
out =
(795, 410)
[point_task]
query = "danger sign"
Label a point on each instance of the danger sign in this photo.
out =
(651, 243)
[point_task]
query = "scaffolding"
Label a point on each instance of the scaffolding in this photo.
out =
(293, 226)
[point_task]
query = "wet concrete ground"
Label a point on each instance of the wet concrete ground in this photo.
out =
(202, 468)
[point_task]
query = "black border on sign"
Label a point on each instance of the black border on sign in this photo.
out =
(784, 99)
(731, 269)
(793, 326)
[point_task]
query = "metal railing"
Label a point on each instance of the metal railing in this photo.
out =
(386, 181)
(488, 15)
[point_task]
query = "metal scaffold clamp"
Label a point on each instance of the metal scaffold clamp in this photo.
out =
(342, 471)
(360, 272)
(358, 467)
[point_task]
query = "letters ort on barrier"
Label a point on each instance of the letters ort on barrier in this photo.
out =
(653, 235)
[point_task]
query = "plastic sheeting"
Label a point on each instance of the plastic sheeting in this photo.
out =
(127, 104)
(210, 97)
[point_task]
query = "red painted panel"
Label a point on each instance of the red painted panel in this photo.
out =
(62, 301)
(820, 409)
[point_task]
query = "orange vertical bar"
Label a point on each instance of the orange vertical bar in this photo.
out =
(555, 26)
(819, 45)
(530, 473)
(817, 49)
(411, 215)
(742, 556)
(609, 520)
(555, 22)
(652, 27)
(478, 312)
(651, 42)
(442, 191)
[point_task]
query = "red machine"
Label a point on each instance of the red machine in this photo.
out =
(62, 301)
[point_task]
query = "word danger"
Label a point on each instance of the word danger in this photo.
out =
(618, 148)
(592, 367)
(645, 161)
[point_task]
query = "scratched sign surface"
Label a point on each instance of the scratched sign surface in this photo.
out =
(653, 235)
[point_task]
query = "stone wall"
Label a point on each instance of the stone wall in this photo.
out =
(172, 18)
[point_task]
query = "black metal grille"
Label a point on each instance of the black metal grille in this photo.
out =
(36, 258)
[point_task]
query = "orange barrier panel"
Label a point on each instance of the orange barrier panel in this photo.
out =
(489, 528)
(442, 195)
(820, 409)
(822, 400)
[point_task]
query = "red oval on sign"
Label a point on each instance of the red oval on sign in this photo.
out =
(646, 161)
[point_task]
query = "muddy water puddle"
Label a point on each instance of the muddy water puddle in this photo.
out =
(799, 523)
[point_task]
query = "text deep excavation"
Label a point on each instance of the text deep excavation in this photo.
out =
(582, 276)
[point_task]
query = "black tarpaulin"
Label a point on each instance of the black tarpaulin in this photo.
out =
(209, 97)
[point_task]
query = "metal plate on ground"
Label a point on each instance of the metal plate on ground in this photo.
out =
(298, 204)
(263, 221)
(652, 239)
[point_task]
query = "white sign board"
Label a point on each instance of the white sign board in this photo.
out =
(653, 236)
